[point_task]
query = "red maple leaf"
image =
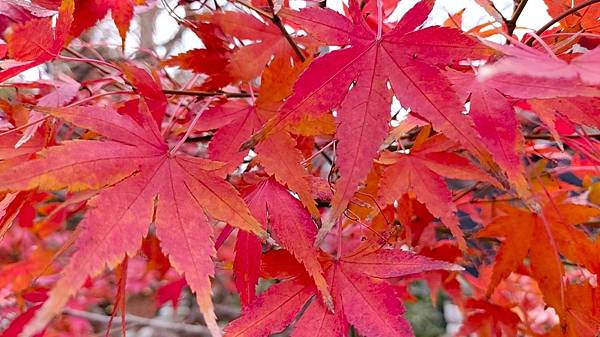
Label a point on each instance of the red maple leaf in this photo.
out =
(46, 44)
(361, 295)
(404, 58)
(543, 237)
(420, 173)
(142, 182)
(291, 225)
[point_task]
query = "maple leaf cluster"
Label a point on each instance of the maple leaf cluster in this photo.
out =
(331, 160)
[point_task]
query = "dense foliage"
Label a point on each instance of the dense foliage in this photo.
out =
(326, 166)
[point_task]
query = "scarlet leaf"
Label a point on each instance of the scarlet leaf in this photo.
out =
(361, 299)
(210, 60)
(544, 238)
(420, 173)
(389, 126)
(150, 90)
(12, 11)
(292, 226)
(88, 12)
(523, 60)
(249, 61)
(287, 169)
(145, 184)
(16, 326)
(272, 311)
(48, 44)
(235, 121)
(497, 125)
(490, 317)
(407, 59)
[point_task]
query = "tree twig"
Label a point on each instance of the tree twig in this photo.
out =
(257, 10)
(206, 93)
(94, 65)
(196, 330)
(560, 17)
(277, 22)
(550, 137)
(512, 23)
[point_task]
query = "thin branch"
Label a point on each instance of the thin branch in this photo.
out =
(196, 330)
(207, 93)
(277, 22)
(87, 60)
(481, 201)
(257, 10)
(560, 17)
(94, 65)
(93, 97)
(512, 23)
(466, 191)
(550, 137)
(24, 126)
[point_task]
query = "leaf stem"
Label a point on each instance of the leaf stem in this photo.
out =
(180, 106)
(25, 126)
(88, 60)
(379, 19)
(560, 17)
(191, 127)
(81, 56)
(307, 160)
(251, 90)
(93, 97)
(339, 239)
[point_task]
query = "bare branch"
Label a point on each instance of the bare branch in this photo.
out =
(206, 93)
(194, 330)
(277, 21)
(560, 17)
(512, 23)
(257, 10)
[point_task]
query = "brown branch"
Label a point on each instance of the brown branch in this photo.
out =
(550, 137)
(257, 10)
(482, 201)
(195, 330)
(277, 22)
(98, 67)
(207, 93)
(466, 191)
(166, 91)
(560, 17)
(512, 23)
(94, 65)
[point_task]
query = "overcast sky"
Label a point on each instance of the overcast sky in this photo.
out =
(533, 17)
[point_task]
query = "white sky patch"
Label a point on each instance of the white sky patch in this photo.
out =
(533, 17)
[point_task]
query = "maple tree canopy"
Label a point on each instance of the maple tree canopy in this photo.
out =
(305, 170)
